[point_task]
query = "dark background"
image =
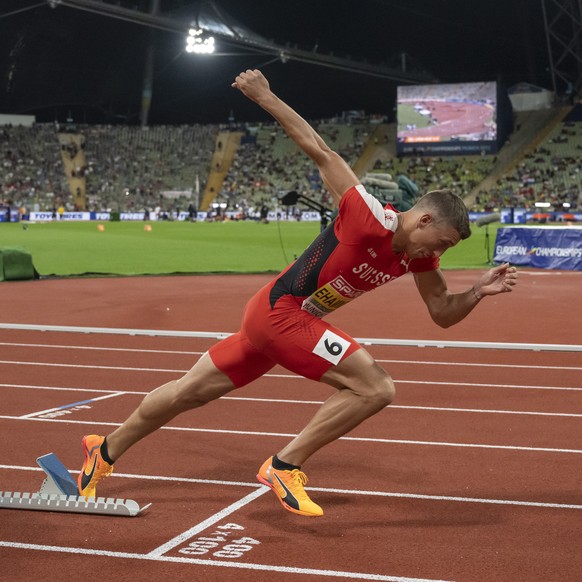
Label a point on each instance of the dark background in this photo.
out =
(60, 61)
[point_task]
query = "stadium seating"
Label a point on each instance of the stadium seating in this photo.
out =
(268, 164)
(32, 169)
(127, 168)
(546, 170)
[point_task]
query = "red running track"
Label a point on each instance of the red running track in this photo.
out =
(472, 474)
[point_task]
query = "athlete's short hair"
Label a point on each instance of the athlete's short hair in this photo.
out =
(444, 206)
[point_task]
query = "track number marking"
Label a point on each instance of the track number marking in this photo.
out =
(220, 545)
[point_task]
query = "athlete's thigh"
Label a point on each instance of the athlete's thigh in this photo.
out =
(292, 337)
(239, 360)
(307, 345)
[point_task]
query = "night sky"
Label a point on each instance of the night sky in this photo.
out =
(59, 61)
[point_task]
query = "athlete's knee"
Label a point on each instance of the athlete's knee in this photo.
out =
(190, 393)
(365, 378)
(378, 388)
(383, 391)
(199, 386)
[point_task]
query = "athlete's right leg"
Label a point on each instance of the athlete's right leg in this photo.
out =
(230, 364)
(203, 383)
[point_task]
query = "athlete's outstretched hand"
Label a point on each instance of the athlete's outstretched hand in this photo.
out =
(253, 84)
(500, 279)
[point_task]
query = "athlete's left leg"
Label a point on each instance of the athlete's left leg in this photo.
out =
(363, 389)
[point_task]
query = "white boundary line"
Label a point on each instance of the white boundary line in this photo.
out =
(418, 343)
(383, 361)
(293, 435)
(290, 376)
(479, 365)
(93, 367)
(110, 393)
(360, 492)
(200, 562)
(101, 348)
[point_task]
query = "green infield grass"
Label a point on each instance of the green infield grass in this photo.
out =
(127, 248)
(407, 115)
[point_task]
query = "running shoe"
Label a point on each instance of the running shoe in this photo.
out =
(288, 487)
(94, 467)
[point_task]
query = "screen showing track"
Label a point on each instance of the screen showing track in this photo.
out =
(455, 118)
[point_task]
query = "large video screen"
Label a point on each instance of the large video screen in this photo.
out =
(456, 118)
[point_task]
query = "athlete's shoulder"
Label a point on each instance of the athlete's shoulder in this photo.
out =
(355, 190)
(359, 204)
(391, 217)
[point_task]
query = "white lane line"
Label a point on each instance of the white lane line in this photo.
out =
(217, 563)
(309, 402)
(486, 411)
(360, 492)
(449, 498)
(410, 407)
(99, 348)
(66, 388)
(477, 364)
(195, 530)
(92, 367)
(71, 405)
(293, 435)
(415, 343)
(489, 385)
(253, 485)
(384, 361)
(291, 376)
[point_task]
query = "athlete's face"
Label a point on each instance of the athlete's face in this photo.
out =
(430, 239)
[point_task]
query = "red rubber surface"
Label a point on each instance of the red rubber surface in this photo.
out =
(416, 492)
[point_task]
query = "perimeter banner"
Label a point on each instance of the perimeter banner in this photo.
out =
(542, 248)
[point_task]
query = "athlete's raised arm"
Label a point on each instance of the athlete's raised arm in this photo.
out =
(335, 172)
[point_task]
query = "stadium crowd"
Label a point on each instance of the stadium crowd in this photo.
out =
(32, 168)
(269, 164)
(129, 168)
(460, 174)
(551, 173)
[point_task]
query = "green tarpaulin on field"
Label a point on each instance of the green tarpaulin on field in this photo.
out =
(16, 265)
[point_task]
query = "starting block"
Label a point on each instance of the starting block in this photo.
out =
(59, 492)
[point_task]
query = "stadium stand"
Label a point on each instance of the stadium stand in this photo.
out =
(458, 173)
(122, 168)
(544, 168)
(32, 168)
(102, 167)
(128, 168)
(268, 164)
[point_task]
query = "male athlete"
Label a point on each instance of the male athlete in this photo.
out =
(364, 247)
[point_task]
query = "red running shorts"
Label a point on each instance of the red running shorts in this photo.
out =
(285, 335)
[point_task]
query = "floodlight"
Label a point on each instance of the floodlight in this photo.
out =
(542, 204)
(566, 205)
(196, 43)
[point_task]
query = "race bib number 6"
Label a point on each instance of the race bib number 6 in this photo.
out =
(331, 347)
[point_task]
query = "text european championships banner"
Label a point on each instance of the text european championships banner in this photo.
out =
(542, 248)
